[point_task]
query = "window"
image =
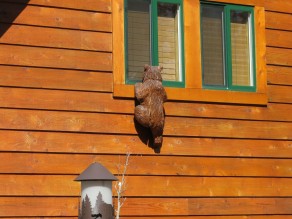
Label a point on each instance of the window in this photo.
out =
(228, 60)
(154, 36)
(190, 82)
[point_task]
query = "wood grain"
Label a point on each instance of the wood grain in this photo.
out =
(207, 187)
(146, 165)
(17, 206)
(214, 217)
(207, 206)
(279, 21)
(279, 5)
(280, 94)
(242, 2)
(63, 100)
(250, 206)
(279, 75)
(175, 217)
(56, 38)
(275, 112)
(211, 217)
(58, 186)
(55, 58)
(277, 56)
(200, 95)
(279, 38)
(104, 102)
(260, 47)
(28, 141)
(91, 5)
(14, 76)
(58, 115)
(124, 124)
(55, 17)
(56, 206)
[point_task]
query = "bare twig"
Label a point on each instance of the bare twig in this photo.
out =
(121, 185)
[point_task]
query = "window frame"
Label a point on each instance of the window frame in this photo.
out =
(193, 90)
(227, 47)
(154, 44)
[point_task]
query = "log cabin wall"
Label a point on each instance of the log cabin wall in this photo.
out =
(58, 115)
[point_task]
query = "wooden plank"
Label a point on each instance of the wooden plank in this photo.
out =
(241, 206)
(55, 17)
(276, 112)
(39, 185)
(277, 56)
(209, 217)
(90, 5)
(224, 128)
(279, 21)
(175, 217)
(124, 124)
(279, 5)
(118, 42)
(27, 141)
(63, 100)
(17, 206)
(279, 75)
(23, 217)
(207, 206)
(207, 187)
(39, 206)
(260, 47)
(55, 58)
(66, 121)
(192, 44)
(155, 206)
(279, 38)
(55, 79)
(56, 38)
(104, 102)
(280, 94)
(242, 2)
(146, 165)
(158, 186)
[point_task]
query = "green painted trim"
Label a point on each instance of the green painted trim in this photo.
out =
(154, 33)
(228, 50)
(251, 88)
(227, 43)
(126, 37)
(154, 42)
(181, 45)
(213, 87)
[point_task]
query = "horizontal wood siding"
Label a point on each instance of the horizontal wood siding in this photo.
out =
(58, 115)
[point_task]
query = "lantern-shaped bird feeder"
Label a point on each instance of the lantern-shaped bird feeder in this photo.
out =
(96, 193)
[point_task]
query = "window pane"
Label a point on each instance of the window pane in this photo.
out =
(240, 44)
(138, 24)
(169, 41)
(212, 45)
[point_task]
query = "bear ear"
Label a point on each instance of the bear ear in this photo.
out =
(160, 68)
(146, 67)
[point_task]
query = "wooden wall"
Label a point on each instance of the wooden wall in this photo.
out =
(58, 115)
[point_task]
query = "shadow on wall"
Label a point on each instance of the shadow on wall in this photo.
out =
(9, 11)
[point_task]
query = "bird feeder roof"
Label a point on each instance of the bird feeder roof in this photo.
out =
(96, 172)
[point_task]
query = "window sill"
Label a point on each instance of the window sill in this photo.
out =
(200, 95)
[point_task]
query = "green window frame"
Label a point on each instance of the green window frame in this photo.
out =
(154, 47)
(227, 48)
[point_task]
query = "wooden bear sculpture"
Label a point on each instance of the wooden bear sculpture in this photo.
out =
(151, 95)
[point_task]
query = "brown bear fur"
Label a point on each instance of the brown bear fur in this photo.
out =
(151, 95)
